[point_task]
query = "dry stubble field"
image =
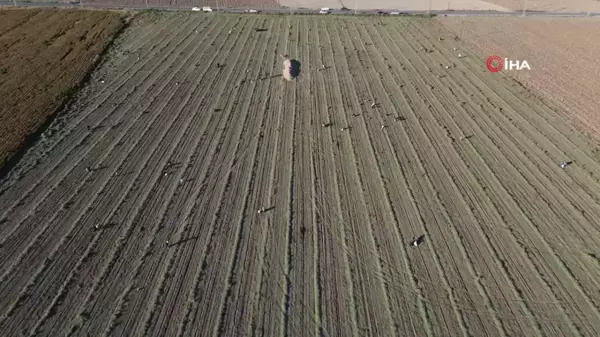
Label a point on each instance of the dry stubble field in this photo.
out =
(183, 151)
(43, 55)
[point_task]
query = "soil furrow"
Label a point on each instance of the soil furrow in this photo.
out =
(55, 154)
(94, 262)
(336, 294)
(371, 294)
(80, 148)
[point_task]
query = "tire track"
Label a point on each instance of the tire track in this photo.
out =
(239, 271)
(165, 307)
(300, 295)
(85, 288)
(270, 320)
(163, 266)
(415, 96)
(45, 183)
(270, 136)
(401, 308)
(32, 255)
(336, 294)
(5, 24)
(355, 212)
(205, 185)
(531, 248)
(245, 108)
(35, 192)
(575, 209)
(544, 243)
(392, 124)
(534, 304)
(158, 229)
(553, 123)
(239, 310)
(291, 95)
(216, 284)
(68, 210)
(84, 231)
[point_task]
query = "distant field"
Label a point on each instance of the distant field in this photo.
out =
(561, 51)
(43, 54)
(185, 3)
(550, 5)
(499, 5)
(312, 4)
(396, 4)
(140, 215)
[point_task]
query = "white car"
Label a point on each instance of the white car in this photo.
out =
(324, 10)
(196, 9)
(207, 9)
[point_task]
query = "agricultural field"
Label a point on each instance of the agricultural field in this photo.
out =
(402, 5)
(561, 52)
(184, 3)
(549, 5)
(191, 191)
(476, 5)
(307, 4)
(44, 54)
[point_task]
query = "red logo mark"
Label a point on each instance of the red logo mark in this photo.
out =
(490, 63)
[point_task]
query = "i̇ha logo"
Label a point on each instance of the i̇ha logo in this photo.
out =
(496, 63)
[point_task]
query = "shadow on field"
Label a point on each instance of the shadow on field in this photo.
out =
(270, 77)
(184, 240)
(294, 68)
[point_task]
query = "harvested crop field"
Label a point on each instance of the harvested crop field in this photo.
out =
(195, 192)
(43, 55)
(561, 52)
(185, 3)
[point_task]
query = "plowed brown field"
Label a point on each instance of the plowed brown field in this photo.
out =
(561, 52)
(43, 55)
(582, 6)
(183, 153)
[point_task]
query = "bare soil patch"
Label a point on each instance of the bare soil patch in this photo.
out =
(44, 54)
(550, 5)
(562, 53)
